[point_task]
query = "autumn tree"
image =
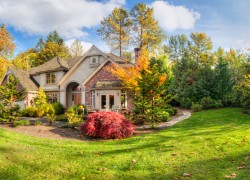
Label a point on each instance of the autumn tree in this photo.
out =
(7, 47)
(25, 60)
(148, 34)
(115, 30)
(76, 49)
(52, 47)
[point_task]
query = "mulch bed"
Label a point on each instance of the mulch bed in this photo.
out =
(58, 133)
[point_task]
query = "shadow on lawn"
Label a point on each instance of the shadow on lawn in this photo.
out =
(215, 168)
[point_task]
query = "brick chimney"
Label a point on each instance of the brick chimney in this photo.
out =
(137, 54)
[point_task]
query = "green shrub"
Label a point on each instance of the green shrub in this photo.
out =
(30, 111)
(207, 103)
(172, 111)
(163, 116)
(59, 109)
(21, 123)
(61, 117)
(37, 123)
(196, 107)
(3, 120)
(50, 113)
(217, 104)
(73, 116)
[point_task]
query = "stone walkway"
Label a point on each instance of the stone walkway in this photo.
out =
(181, 115)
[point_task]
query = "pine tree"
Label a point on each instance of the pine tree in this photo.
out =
(148, 35)
(223, 83)
(115, 30)
(9, 94)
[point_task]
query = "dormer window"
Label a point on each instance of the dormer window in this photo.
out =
(94, 61)
(50, 78)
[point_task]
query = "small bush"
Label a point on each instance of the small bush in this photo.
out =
(59, 109)
(37, 123)
(107, 125)
(50, 113)
(3, 120)
(30, 111)
(217, 104)
(207, 103)
(61, 117)
(21, 123)
(196, 107)
(163, 116)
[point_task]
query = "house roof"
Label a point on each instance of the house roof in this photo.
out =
(24, 78)
(72, 61)
(54, 64)
(108, 84)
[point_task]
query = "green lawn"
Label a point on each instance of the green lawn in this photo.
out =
(209, 145)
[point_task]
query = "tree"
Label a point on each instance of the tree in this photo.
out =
(40, 99)
(223, 83)
(25, 60)
(76, 49)
(9, 94)
(54, 37)
(7, 47)
(148, 35)
(53, 46)
(115, 30)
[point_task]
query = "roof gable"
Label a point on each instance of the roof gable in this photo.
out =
(23, 76)
(55, 64)
(93, 51)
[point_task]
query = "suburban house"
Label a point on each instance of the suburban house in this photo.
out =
(81, 80)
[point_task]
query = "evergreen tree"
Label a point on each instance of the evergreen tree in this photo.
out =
(148, 35)
(54, 37)
(151, 99)
(10, 93)
(40, 99)
(115, 30)
(223, 82)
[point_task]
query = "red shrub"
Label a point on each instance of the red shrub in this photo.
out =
(107, 125)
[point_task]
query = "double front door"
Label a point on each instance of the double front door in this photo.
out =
(107, 101)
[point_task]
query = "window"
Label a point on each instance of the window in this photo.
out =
(52, 98)
(123, 100)
(50, 78)
(94, 61)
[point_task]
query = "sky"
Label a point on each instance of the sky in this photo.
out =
(227, 22)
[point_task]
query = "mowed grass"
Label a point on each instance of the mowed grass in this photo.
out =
(209, 145)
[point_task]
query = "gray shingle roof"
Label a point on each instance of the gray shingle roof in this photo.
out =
(24, 78)
(55, 64)
(72, 61)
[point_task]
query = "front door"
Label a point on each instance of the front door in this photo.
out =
(76, 99)
(107, 101)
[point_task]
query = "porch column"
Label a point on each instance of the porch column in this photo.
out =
(63, 98)
(83, 92)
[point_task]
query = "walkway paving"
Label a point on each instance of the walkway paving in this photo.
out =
(181, 115)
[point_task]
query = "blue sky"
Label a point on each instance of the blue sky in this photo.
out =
(227, 22)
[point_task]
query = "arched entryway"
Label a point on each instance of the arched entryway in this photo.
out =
(73, 94)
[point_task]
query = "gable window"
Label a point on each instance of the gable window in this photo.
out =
(50, 78)
(94, 61)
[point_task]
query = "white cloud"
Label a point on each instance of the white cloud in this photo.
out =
(68, 17)
(172, 17)
(86, 45)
